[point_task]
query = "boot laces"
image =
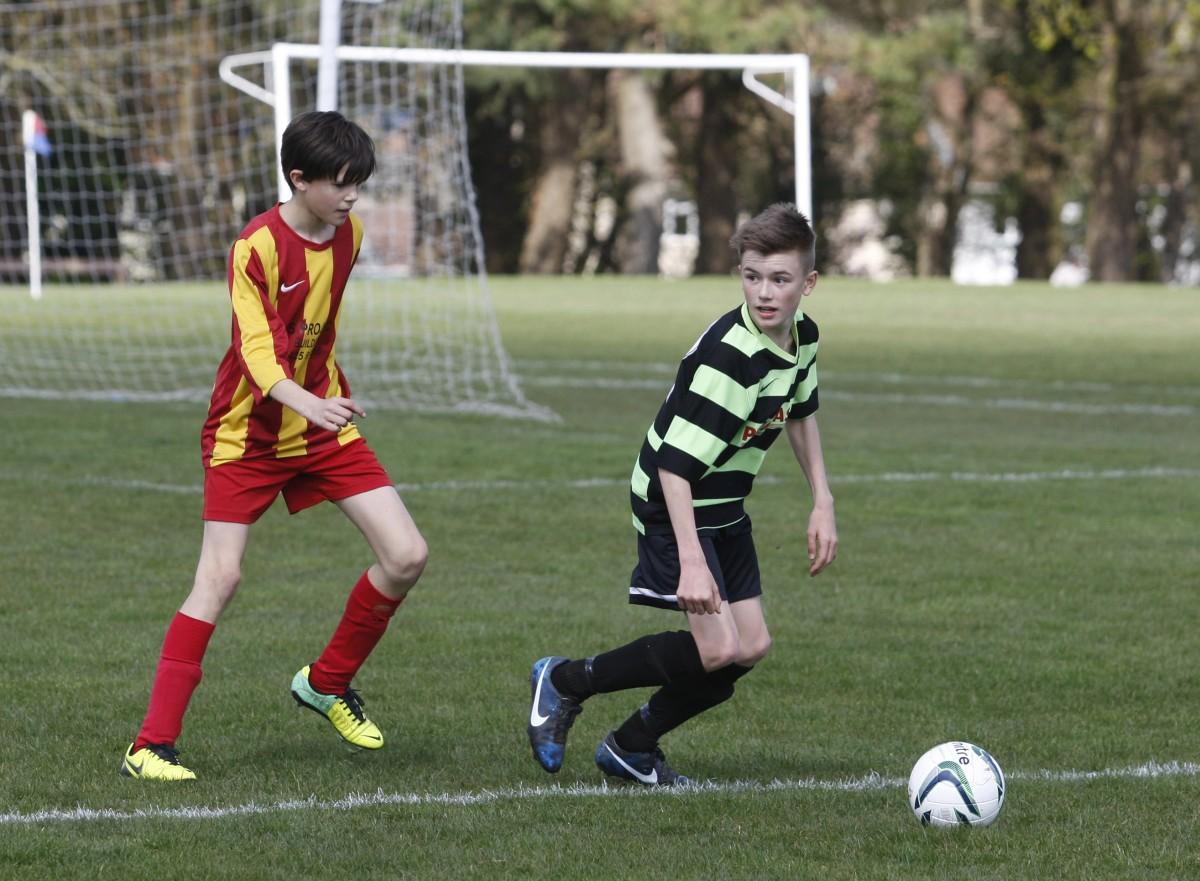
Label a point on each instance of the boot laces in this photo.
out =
(168, 754)
(354, 703)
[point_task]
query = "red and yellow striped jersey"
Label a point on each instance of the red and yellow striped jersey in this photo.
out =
(286, 292)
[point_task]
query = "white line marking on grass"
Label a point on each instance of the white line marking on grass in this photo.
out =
(887, 477)
(584, 483)
(1028, 404)
(148, 485)
(524, 365)
(886, 378)
(1153, 472)
(606, 382)
(869, 782)
(1018, 476)
(106, 482)
(1131, 772)
(1074, 407)
(998, 382)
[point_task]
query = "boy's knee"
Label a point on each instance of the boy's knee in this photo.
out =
(218, 582)
(753, 651)
(718, 654)
(403, 566)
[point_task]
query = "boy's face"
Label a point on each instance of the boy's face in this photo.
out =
(773, 285)
(329, 201)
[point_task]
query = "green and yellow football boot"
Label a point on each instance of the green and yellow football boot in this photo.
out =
(343, 711)
(156, 761)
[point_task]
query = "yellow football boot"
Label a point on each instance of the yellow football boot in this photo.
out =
(344, 712)
(155, 762)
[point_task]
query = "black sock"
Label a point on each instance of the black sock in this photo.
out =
(634, 735)
(574, 679)
(649, 660)
(674, 704)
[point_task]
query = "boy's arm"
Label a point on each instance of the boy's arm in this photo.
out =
(331, 414)
(258, 340)
(258, 333)
(697, 591)
(805, 438)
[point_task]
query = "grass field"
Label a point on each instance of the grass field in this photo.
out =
(1018, 496)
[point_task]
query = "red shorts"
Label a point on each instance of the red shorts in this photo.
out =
(241, 490)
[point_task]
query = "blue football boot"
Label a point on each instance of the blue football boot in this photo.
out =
(551, 715)
(648, 769)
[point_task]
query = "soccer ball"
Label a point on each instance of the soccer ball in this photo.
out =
(956, 784)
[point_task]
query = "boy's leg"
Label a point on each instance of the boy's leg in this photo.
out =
(152, 754)
(399, 548)
(654, 659)
(219, 571)
(729, 644)
(658, 659)
(662, 657)
(560, 686)
(400, 553)
(676, 702)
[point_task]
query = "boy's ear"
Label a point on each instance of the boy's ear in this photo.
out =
(810, 282)
(296, 176)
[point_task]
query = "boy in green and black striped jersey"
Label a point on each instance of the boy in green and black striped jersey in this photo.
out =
(750, 375)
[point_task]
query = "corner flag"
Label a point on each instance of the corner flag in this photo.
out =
(36, 137)
(37, 143)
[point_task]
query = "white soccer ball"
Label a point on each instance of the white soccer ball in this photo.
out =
(956, 784)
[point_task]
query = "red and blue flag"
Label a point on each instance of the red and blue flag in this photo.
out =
(39, 142)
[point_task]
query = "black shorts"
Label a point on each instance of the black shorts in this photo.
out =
(731, 558)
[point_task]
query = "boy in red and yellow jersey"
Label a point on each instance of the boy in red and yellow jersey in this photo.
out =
(281, 421)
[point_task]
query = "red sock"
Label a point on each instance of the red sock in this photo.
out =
(177, 677)
(362, 626)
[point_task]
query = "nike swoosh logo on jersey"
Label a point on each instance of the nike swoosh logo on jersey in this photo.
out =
(284, 288)
(650, 779)
(536, 718)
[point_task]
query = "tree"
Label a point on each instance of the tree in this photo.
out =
(734, 151)
(1045, 80)
(646, 170)
(544, 121)
(928, 83)
(1134, 53)
(1112, 229)
(553, 196)
(740, 148)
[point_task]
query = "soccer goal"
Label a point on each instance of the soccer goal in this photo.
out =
(277, 64)
(156, 162)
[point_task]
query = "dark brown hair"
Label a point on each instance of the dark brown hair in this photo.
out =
(319, 143)
(776, 230)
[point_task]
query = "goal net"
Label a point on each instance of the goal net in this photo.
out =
(155, 164)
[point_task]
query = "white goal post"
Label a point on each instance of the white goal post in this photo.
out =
(157, 164)
(277, 62)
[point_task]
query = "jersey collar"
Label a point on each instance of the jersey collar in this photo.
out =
(770, 344)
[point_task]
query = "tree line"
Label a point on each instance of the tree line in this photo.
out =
(918, 105)
(920, 109)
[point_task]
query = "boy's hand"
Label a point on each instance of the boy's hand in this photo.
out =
(822, 539)
(698, 592)
(333, 414)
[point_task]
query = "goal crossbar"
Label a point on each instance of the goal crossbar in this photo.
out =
(795, 67)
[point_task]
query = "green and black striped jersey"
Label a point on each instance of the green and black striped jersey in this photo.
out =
(734, 390)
